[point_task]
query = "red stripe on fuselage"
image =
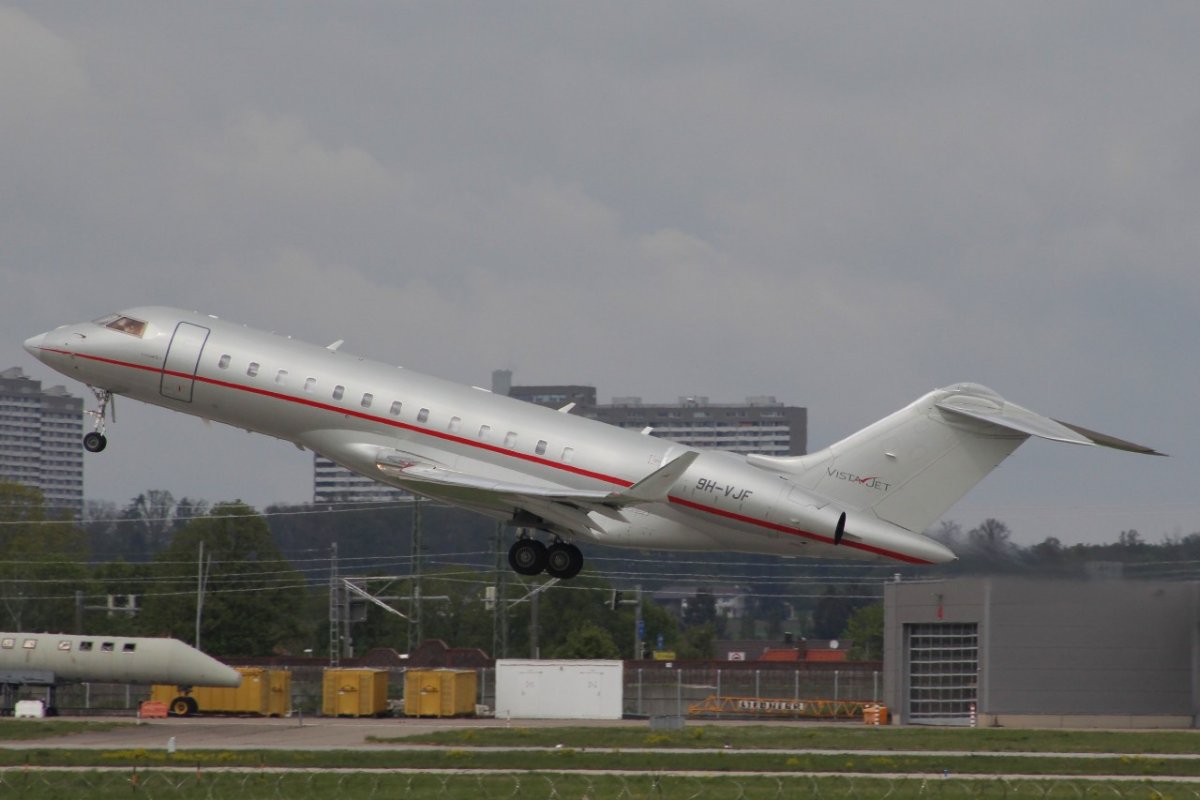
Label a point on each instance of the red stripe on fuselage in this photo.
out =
(493, 449)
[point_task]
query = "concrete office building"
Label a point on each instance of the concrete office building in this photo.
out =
(334, 484)
(760, 425)
(41, 432)
(1043, 653)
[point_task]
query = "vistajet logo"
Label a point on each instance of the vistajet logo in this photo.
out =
(871, 482)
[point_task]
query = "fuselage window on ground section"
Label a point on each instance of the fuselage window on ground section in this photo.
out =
(367, 399)
(252, 370)
(423, 415)
(309, 384)
(541, 447)
(510, 439)
(455, 424)
(484, 430)
(223, 363)
(338, 392)
(281, 377)
(395, 409)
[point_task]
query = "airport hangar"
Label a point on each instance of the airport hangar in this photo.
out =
(1020, 652)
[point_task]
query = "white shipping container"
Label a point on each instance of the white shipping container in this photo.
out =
(547, 689)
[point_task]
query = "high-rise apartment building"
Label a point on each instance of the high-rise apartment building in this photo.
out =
(40, 433)
(760, 425)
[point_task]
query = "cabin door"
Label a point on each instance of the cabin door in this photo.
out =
(183, 358)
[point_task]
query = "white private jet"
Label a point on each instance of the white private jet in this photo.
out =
(869, 496)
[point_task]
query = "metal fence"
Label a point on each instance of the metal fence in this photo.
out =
(649, 691)
(249, 784)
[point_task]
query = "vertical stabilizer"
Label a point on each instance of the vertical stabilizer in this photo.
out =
(913, 465)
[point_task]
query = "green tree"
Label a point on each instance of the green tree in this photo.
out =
(588, 640)
(864, 629)
(43, 562)
(254, 601)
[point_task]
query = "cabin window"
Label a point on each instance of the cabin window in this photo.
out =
(395, 409)
(106, 647)
(338, 391)
(309, 384)
(368, 398)
(281, 377)
(510, 439)
(252, 370)
(129, 647)
(64, 644)
(85, 647)
(223, 363)
(568, 454)
(484, 430)
(455, 424)
(423, 415)
(29, 644)
(8, 643)
(541, 447)
(134, 327)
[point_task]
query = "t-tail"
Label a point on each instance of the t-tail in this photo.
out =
(912, 466)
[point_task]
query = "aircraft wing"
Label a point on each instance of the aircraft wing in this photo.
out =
(562, 506)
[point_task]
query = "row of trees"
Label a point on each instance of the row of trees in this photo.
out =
(265, 579)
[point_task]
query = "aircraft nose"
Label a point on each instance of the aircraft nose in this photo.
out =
(34, 344)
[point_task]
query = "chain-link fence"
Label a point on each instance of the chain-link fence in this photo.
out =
(250, 784)
(649, 691)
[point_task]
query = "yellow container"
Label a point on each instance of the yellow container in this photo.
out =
(264, 692)
(440, 692)
(354, 692)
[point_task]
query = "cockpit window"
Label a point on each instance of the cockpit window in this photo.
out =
(134, 327)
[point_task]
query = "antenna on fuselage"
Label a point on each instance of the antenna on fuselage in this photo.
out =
(333, 347)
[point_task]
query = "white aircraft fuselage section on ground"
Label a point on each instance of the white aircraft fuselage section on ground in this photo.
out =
(869, 496)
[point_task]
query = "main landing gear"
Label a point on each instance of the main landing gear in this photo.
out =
(96, 441)
(560, 560)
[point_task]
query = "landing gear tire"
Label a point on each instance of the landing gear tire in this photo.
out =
(94, 442)
(183, 707)
(563, 561)
(527, 557)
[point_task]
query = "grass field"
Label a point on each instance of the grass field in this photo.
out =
(463, 765)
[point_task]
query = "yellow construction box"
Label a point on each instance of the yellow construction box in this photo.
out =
(264, 692)
(354, 692)
(439, 692)
(875, 714)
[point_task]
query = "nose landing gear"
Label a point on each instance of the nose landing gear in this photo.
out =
(560, 560)
(96, 441)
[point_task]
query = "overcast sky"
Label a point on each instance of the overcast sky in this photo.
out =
(840, 204)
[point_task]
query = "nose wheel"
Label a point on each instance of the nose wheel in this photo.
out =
(96, 441)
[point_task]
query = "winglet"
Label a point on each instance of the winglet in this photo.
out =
(655, 487)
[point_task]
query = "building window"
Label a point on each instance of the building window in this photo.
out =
(64, 644)
(85, 647)
(367, 399)
(129, 647)
(252, 370)
(223, 363)
(395, 409)
(106, 647)
(423, 415)
(338, 392)
(8, 643)
(29, 644)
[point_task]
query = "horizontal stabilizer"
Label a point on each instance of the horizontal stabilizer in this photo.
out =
(1104, 440)
(1006, 414)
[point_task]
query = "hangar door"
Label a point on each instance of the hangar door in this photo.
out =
(942, 670)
